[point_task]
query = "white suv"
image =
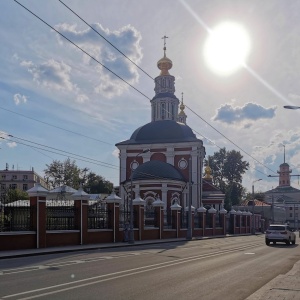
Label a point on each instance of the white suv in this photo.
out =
(280, 233)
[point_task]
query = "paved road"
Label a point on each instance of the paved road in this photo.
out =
(225, 268)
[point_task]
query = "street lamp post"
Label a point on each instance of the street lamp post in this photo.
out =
(189, 229)
(291, 107)
(131, 232)
(253, 227)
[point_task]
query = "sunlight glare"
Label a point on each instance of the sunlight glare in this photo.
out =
(226, 48)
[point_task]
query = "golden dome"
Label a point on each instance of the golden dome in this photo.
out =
(207, 171)
(164, 64)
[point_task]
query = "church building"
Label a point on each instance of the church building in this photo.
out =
(163, 159)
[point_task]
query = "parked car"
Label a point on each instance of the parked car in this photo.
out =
(280, 233)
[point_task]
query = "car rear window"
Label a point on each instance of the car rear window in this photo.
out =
(277, 228)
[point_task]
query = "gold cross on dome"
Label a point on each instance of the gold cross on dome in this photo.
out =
(164, 38)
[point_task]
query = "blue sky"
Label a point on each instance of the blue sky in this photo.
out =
(53, 94)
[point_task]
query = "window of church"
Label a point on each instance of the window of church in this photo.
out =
(182, 164)
(149, 201)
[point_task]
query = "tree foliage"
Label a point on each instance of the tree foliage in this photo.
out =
(227, 170)
(97, 184)
(11, 195)
(66, 172)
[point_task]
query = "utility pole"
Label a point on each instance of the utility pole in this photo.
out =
(253, 225)
(189, 230)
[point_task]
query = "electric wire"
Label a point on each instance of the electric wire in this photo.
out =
(96, 31)
(55, 126)
(153, 79)
(16, 139)
(229, 139)
(79, 157)
(81, 49)
(125, 80)
(64, 153)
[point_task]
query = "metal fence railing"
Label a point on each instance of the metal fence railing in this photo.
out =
(184, 219)
(150, 218)
(124, 218)
(60, 217)
(169, 221)
(98, 218)
(16, 217)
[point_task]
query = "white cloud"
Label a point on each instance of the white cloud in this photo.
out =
(116, 153)
(51, 74)
(4, 137)
(12, 144)
(294, 96)
(127, 39)
(81, 98)
(109, 88)
(227, 113)
(18, 98)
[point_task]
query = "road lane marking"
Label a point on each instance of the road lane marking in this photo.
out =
(120, 274)
(63, 264)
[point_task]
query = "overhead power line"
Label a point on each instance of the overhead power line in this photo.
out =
(78, 47)
(120, 76)
(55, 126)
(229, 139)
(96, 31)
(153, 79)
(58, 151)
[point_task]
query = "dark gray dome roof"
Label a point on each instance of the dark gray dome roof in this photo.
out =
(155, 170)
(165, 131)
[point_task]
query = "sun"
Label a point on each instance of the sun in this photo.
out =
(226, 48)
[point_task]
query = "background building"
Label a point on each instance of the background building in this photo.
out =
(285, 196)
(19, 179)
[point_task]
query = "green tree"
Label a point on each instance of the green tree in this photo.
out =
(65, 173)
(227, 170)
(11, 195)
(97, 184)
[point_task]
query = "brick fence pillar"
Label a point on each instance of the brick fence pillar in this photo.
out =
(232, 221)
(113, 206)
(37, 196)
(139, 209)
(176, 216)
(192, 217)
(81, 213)
(212, 212)
(159, 215)
(239, 220)
(223, 213)
(202, 218)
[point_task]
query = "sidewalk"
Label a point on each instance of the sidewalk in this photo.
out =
(64, 249)
(285, 286)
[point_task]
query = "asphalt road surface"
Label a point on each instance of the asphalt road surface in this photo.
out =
(220, 268)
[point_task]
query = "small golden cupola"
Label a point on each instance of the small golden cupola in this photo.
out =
(207, 172)
(182, 116)
(164, 64)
